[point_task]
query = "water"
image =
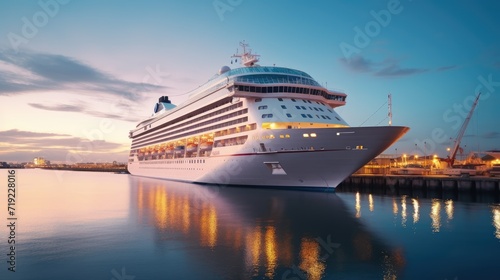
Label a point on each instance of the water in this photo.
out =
(90, 225)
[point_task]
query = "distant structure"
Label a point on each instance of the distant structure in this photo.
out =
(39, 161)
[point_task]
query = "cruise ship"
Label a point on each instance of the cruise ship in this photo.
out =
(256, 126)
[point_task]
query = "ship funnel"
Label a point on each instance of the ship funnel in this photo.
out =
(164, 99)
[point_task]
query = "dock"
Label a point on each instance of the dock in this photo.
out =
(422, 184)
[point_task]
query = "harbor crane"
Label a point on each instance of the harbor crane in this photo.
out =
(456, 145)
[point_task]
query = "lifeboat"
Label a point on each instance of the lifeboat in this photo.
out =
(192, 147)
(169, 150)
(206, 146)
(179, 149)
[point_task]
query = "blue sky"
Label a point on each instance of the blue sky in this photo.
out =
(76, 76)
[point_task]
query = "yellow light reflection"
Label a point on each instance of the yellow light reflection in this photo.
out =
(212, 227)
(271, 251)
(370, 202)
(416, 214)
(496, 220)
(159, 196)
(358, 206)
(310, 259)
(186, 210)
(253, 246)
(403, 211)
(448, 205)
(436, 215)
(392, 263)
(394, 207)
(208, 226)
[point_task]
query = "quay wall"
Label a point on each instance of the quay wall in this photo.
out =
(423, 183)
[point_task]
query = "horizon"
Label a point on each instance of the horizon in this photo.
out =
(76, 76)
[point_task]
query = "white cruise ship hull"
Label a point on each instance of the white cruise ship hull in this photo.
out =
(324, 160)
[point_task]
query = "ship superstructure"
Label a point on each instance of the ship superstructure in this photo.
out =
(255, 125)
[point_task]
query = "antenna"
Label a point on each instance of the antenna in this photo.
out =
(247, 58)
(390, 108)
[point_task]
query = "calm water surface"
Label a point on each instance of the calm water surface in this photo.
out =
(86, 225)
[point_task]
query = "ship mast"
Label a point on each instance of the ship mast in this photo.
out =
(461, 132)
(247, 58)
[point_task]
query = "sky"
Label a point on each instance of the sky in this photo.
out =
(76, 76)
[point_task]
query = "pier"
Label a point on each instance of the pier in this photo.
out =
(422, 184)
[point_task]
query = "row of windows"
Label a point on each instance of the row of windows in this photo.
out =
(209, 115)
(231, 141)
(267, 69)
(196, 139)
(267, 116)
(179, 148)
(184, 117)
(275, 89)
(214, 120)
(276, 79)
(198, 131)
(263, 107)
(304, 108)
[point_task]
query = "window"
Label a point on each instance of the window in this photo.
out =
(263, 107)
(298, 107)
(294, 100)
(304, 101)
(258, 99)
(309, 115)
(303, 115)
(289, 115)
(316, 109)
(280, 99)
(283, 107)
(303, 107)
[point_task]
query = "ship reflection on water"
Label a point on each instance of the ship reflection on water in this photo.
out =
(96, 226)
(258, 233)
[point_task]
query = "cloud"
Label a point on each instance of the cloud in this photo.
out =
(60, 107)
(446, 68)
(389, 67)
(358, 64)
(84, 108)
(394, 70)
(14, 133)
(27, 71)
(19, 145)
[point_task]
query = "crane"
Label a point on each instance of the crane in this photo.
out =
(461, 132)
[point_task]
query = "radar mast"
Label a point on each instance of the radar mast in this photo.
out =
(247, 58)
